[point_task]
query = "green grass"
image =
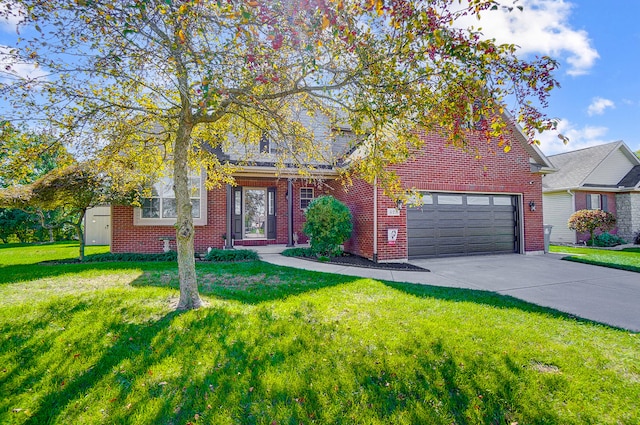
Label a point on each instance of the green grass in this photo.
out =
(100, 343)
(625, 259)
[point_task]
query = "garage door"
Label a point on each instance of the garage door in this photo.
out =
(449, 224)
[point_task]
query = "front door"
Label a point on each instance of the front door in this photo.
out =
(255, 213)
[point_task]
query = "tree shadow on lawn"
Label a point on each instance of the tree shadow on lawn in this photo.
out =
(220, 365)
(246, 362)
(254, 282)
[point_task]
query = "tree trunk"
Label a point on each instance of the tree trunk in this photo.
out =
(189, 297)
(80, 232)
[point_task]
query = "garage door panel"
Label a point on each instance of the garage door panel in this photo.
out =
(478, 224)
(424, 251)
(423, 233)
(480, 248)
(451, 249)
(477, 231)
(450, 232)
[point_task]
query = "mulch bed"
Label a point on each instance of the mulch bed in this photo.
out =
(357, 261)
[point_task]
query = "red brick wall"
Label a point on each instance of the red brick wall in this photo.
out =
(581, 204)
(126, 237)
(439, 167)
(359, 199)
(436, 167)
(129, 238)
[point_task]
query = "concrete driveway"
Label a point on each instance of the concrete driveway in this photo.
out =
(592, 292)
(597, 293)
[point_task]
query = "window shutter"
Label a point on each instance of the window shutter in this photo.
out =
(588, 201)
(605, 206)
(264, 144)
(271, 213)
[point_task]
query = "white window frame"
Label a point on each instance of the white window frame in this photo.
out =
(139, 220)
(597, 205)
(313, 196)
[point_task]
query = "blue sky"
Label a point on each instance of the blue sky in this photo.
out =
(598, 46)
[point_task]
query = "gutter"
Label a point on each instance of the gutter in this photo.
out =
(589, 189)
(258, 171)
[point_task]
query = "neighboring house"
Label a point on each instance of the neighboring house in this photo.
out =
(478, 202)
(603, 177)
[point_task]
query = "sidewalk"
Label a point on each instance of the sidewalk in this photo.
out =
(271, 254)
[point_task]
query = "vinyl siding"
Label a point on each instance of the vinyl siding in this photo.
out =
(557, 208)
(317, 127)
(611, 170)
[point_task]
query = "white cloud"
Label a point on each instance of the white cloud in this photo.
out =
(598, 106)
(12, 68)
(579, 138)
(542, 27)
(12, 15)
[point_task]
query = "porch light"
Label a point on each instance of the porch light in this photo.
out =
(532, 206)
(399, 204)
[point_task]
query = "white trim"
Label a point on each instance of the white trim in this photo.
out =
(273, 172)
(138, 220)
(313, 196)
(535, 253)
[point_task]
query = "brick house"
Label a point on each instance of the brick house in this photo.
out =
(603, 177)
(483, 202)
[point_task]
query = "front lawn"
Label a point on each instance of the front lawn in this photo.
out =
(625, 259)
(100, 343)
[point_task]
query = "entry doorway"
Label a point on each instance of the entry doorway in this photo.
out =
(254, 212)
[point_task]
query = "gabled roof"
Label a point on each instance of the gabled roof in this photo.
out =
(575, 167)
(632, 179)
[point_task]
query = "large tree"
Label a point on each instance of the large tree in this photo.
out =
(69, 190)
(25, 156)
(149, 79)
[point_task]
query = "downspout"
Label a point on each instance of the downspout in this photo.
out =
(375, 219)
(290, 241)
(228, 231)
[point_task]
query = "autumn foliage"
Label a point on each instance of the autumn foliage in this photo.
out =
(135, 83)
(588, 221)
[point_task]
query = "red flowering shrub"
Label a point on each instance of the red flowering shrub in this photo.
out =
(591, 220)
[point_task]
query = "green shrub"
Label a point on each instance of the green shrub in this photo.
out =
(588, 221)
(130, 257)
(228, 255)
(607, 240)
(299, 252)
(328, 224)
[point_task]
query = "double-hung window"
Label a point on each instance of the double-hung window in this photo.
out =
(161, 209)
(306, 196)
(597, 201)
